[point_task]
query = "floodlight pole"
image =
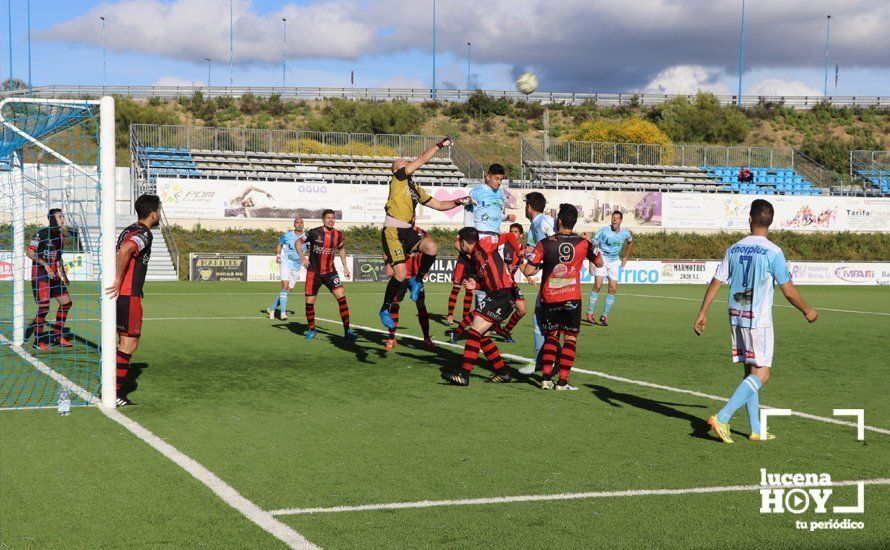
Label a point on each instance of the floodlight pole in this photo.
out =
(30, 88)
(741, 55)
(434, 49)
(469, 52)
(9, 18)
(207, 59)
(104, 66)
(284, 56)
(827, 44)
(231, 41)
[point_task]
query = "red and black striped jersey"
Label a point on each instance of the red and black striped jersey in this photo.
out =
(324, 244)
(412, 264)
(134, 278)
(512, 257)
(561, 259)
(47, 245)
(494, 272)
(463, 270)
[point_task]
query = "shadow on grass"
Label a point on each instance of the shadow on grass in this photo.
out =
(698, 424)
(130, 384)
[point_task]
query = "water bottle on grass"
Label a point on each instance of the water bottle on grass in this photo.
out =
(64, 402)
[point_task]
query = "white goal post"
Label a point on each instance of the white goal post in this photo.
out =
(27, 181)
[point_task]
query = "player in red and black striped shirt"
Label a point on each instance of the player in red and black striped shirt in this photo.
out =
(133, 254)
(514, 260)
(496, 279)
(49, 280)
(462, 272)
(561, 258)
(323, 244)
(412, 263)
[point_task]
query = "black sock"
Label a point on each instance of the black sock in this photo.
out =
(426, 262)
(392, 291)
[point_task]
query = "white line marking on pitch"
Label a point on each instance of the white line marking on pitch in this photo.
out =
(553, 497)
(223, 490)
(827, 420)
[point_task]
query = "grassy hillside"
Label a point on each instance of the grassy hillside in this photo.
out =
(490, 128)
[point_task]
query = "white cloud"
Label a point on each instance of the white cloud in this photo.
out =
(687, 79)
(572, 44)
(777, 86)
(191, 30)
(176, 81)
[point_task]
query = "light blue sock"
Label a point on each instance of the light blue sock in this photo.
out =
(749, 386)
(539, 340)
(282, 300)
(610, 300)
(594, 295)
(753, 406)
(274, 305)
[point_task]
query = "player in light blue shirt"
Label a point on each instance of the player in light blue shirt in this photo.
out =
(610, 241)
(289, 268)
(486, 212)
(751, 267)
(541, 228)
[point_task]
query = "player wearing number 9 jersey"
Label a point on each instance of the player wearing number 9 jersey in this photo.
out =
(751, 267)
(561, 259)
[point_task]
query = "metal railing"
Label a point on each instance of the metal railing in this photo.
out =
(447, 95)
(655, 155)
(866, 161)
(297, 142)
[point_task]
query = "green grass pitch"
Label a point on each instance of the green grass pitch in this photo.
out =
(296, 424)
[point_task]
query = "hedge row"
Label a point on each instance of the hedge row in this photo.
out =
(366, 240)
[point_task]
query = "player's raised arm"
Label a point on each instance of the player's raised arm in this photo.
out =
(425, 157)
(795, 299)
(126, 252)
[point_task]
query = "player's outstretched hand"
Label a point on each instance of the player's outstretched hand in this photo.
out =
(700, 322)
(304, 261)
(511, 218)
(464, 201)
(811, 315)
(470, 284)
(445, 142)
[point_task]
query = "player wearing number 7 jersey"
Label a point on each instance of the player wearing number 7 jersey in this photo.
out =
(751, 266)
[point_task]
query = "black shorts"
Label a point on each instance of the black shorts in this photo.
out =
(315, 280)
(399, 242)
(564, 316)
(496, 306)
(45, 288)
(517, 294)
(129, 316)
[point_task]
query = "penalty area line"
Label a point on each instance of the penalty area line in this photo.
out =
(607, 376)
(223, 490)
(554, 497)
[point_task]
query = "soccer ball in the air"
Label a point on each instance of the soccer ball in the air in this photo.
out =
(527, 83)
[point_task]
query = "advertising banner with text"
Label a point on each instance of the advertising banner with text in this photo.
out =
(355, 203)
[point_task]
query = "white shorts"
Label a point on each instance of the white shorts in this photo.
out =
(752, 346)
(610, 269)
(289, 273)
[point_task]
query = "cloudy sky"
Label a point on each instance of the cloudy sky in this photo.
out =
(671, 46)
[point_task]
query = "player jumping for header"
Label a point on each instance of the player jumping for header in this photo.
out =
(323, 243)
(751, 266)
(289, 266)
(610, 240)
(49, 280)
(561, 257)
(400, 237)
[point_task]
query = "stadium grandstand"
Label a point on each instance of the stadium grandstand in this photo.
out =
(872, 170)
(299, 156)
(677, 168)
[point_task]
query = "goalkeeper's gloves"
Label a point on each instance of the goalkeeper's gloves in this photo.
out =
(445, 142)
(464, 201)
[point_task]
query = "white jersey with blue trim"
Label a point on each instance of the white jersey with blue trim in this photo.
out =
(541, 228)
(289, 241)
(610, 242)
(751, 266)
(487, 212)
